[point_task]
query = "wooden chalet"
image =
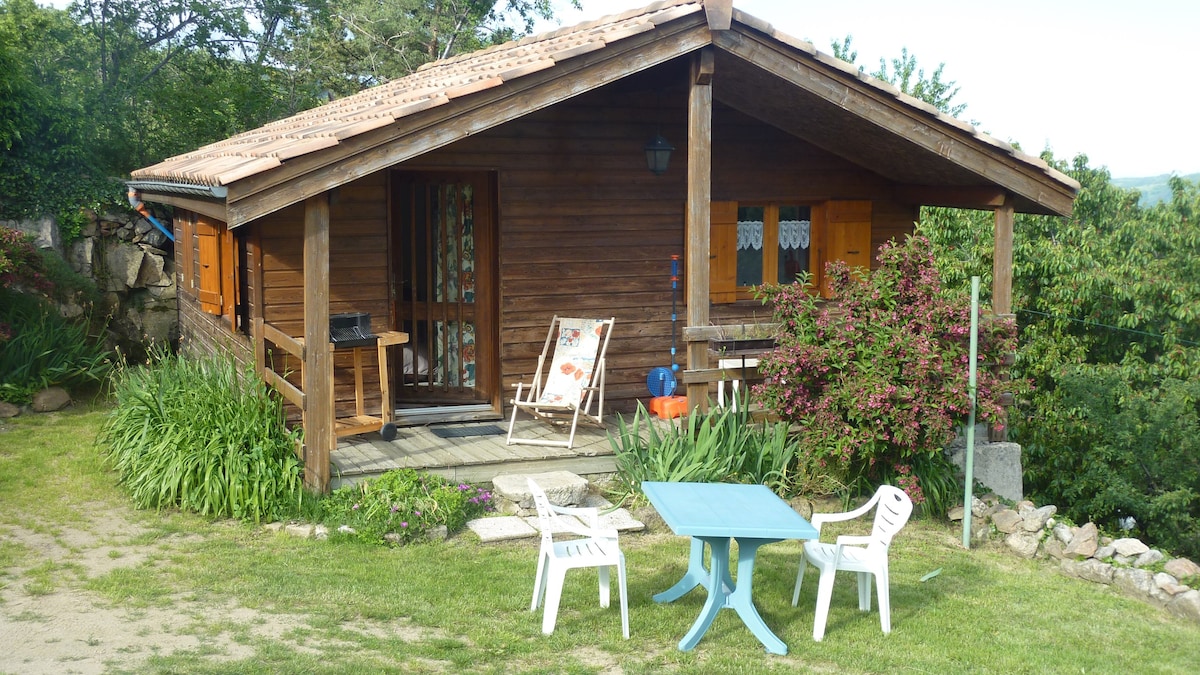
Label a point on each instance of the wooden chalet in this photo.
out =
(466, 204)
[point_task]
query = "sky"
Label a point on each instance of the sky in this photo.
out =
(1112, 79)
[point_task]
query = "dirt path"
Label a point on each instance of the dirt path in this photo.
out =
(50, 625)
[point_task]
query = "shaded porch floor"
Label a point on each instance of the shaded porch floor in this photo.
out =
(472, 458)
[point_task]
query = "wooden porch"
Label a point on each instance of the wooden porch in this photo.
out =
(475, 458)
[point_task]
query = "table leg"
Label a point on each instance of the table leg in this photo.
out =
(697, 575)
(742, 597)
(717, 597)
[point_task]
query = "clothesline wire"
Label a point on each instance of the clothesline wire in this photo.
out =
(1097, 324)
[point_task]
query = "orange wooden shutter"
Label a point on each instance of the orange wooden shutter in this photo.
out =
(722, 254)
(848, 234)
(208, 244)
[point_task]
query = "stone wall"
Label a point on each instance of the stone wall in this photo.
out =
(1126, 563)
(133, 265)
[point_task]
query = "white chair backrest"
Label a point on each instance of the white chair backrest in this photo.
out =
(545, 516)
(891, 513)
(578, 344)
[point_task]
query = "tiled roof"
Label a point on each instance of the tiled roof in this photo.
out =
(437, 83)
(432, 85)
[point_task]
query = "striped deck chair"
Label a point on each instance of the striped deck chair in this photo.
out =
(565, 390)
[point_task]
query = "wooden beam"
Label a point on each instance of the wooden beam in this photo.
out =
(888, 112)
(212, 209)
(719, 13)
(704, 71)
(699, 196)
(424, 132)
(318, 363)
(1002, 271)
(984, 197)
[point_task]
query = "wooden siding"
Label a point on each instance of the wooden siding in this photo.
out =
(584, 228)
(358, 278)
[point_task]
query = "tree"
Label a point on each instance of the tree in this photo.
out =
(909, 78)
(355, 44)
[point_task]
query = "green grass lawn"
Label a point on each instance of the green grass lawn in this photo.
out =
(460, 606)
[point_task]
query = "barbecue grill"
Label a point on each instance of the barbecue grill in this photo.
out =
(352, 329)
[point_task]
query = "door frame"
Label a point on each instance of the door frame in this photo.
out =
(486, 303)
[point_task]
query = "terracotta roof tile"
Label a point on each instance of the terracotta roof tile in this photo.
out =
(436, 83)
(433, 84)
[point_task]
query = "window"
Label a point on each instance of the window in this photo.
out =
(210, 270)
(766, 243)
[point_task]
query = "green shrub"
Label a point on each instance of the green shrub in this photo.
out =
(40, 348)
(877, 377)
(721, 445)
(404, 504)
(203, 436)
(1105, 447)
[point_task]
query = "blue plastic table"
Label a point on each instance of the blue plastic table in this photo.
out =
(714, 513)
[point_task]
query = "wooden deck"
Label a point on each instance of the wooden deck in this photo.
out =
(472, 458)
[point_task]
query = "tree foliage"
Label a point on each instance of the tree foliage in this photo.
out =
(907, 76)
(107, 86)
(1108, 302)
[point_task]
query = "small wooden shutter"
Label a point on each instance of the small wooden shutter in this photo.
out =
(848, 234)
(208, 245)
(185, 249)
(229, 275)
(722, 254)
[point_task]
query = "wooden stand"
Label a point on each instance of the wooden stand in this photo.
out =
(361, 423)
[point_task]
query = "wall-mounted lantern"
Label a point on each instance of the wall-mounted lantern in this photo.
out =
(658, 154)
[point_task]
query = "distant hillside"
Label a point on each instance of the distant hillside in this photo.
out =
(1154, 189)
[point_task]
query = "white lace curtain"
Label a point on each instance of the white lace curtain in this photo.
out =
(793, 234)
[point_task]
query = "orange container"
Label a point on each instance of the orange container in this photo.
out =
(667, 407)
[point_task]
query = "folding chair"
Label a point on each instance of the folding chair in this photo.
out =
(565, 391)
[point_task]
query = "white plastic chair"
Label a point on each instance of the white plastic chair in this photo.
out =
(868, 556)
(569, 381)
(599, 549)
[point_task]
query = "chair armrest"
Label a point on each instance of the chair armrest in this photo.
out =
(853, 540)
(820, 518)
(591, 513)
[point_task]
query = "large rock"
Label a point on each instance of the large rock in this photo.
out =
(1186, 605)
(562, 488)
(1135, 582)
(996, 465)
(1130, 547)
(1084, 542)
(1089, 570)
(1033, 520)
(1007, 521)
(50, 399)
(1025, 544)
(8, 410)
(124, 262)
(1181, 568)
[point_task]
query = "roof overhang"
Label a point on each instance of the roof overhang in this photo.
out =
(932, 157)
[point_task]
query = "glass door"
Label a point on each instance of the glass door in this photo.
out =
(442, 250)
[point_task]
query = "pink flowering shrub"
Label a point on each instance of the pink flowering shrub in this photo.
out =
(877, 377)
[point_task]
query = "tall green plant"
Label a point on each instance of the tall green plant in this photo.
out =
(722, 445)
(203, 436)
(40, 348)
(876, 378)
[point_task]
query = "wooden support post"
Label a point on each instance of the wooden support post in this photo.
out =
(699, 196)
(318, 359)
(1002, 276)
(1002, 271)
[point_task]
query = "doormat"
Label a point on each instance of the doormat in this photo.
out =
(460, 432)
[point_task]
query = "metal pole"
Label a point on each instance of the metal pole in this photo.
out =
(970, 450)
